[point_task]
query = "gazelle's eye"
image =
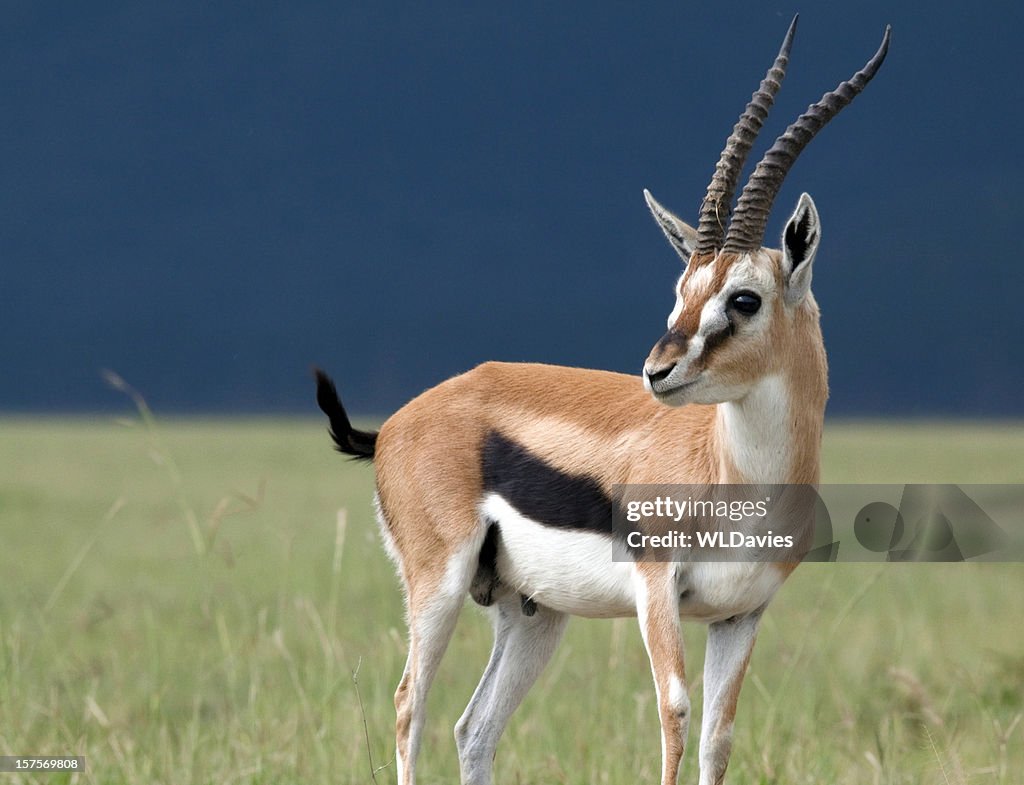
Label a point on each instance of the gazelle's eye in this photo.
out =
(745, 302)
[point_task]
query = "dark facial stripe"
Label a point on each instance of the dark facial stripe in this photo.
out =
(715, 340)
(541, 492)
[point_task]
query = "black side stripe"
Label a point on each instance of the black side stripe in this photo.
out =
(541, 492)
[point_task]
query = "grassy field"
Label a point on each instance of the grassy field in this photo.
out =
(181, 606)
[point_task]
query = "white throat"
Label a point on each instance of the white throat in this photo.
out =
(757, 432)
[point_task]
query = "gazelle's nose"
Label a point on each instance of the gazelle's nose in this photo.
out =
(656, 375)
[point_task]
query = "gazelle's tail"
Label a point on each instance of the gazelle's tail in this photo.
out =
(360, 445)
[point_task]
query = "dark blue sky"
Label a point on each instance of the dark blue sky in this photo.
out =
(208, 200)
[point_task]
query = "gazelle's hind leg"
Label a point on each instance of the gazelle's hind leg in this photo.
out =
(434, 602)
(523, 645)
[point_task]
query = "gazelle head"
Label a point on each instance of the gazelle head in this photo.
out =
(739, 306)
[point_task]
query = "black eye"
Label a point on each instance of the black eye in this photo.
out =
(745, 302)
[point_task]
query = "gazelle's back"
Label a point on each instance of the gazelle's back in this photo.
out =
(581, 422)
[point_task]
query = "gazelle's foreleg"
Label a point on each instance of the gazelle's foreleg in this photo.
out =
(522, 647)
(658, 611)
(730, 643)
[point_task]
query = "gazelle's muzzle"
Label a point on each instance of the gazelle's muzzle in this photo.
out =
(665, 366)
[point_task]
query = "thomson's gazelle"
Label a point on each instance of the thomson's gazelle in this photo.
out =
(497, 482)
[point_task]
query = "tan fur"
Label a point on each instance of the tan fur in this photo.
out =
(578, 420)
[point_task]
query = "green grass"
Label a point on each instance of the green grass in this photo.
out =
(179, 609)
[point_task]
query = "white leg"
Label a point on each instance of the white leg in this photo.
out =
(729, 646)
(433, 612)
(658, 613)
(522, 647)
(428, 640)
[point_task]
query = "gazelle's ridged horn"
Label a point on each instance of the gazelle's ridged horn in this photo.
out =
(746, 232)
(717, 204)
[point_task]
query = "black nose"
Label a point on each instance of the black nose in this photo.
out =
(659, 376)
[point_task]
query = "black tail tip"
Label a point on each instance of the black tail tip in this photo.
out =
(326, 393)
(357, 444)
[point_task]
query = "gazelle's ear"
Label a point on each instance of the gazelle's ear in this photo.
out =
(799, 245)
(680, 234)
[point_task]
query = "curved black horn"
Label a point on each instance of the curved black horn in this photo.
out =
(746, 231)
(717, 204)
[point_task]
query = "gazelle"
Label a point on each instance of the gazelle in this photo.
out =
(497, 482)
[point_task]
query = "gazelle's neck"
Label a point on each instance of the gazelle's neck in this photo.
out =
(773, 434)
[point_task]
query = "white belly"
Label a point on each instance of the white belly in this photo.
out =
(564, 569)
(576, 572)
(712, 591)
